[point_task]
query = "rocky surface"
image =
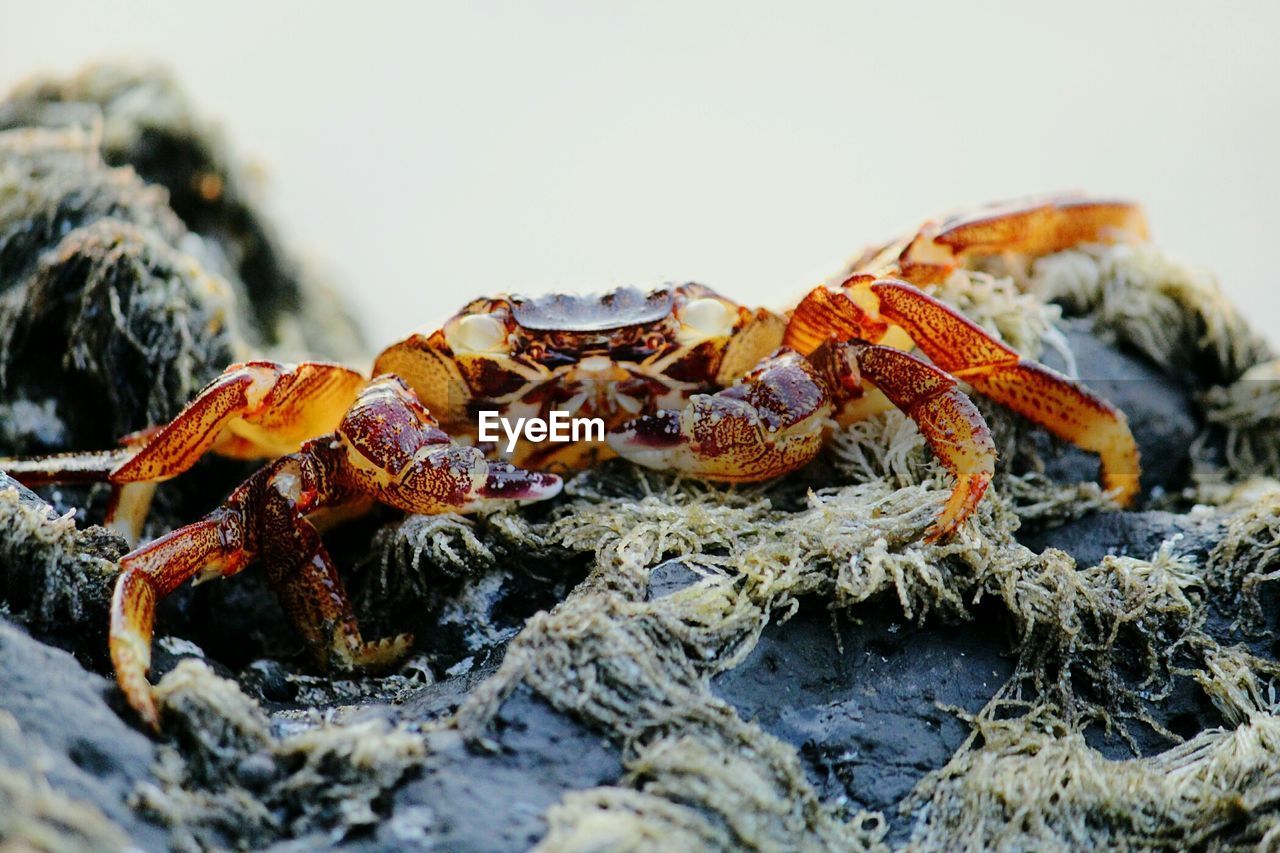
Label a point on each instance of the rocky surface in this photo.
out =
(64, 724)
(869, 699)
(496, 797)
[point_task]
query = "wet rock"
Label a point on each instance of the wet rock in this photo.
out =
(494, 798)
(143, 120)
(70, 733)
(860, 700)
(671, 576)
(1127, 534)
(106, 326)
(54, 577)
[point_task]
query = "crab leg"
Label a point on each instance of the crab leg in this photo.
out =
(387, 449)
(1028, 228)
(253, 410)
(1043, 396)
(147, 575)
(772, 422)
(264, 518)
(953, 427)
(393, 450)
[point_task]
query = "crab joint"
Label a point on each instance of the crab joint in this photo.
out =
(558, 428)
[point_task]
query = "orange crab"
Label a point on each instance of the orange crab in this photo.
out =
(683, 378)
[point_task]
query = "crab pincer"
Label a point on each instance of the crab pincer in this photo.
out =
(775, 421)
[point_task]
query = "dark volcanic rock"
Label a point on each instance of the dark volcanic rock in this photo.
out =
(106, 326)
(671, 576)
(469, 799)
(1126, 534)
(145, 122)
(70, 733)
(866, 719)
(55, 578)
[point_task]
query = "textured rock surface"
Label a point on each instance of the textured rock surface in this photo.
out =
(869, 703)
(495, 798)
(69, 731)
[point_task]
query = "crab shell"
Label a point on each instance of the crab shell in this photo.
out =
(614, 356)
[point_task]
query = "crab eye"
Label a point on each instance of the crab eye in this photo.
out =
(710, 317)
(479, 333)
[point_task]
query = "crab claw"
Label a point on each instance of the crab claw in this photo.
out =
(396, 453)
(769, 424)
(504, 481)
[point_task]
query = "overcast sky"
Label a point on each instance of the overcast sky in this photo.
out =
(434, 152)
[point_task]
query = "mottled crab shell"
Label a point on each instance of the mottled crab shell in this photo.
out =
(616, 309)
(614, 355)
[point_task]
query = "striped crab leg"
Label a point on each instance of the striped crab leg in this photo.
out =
(883, 308)
(1027, 228)
(387, 449)
(253, 410)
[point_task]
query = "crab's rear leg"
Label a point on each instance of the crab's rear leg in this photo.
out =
(1021, 228)
(254, 410)
(1043, 396)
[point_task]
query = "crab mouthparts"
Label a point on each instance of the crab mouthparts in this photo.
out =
(507, 482)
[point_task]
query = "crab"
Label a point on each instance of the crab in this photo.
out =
(683, 378)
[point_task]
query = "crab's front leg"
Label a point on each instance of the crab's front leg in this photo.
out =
(390, 448)
(387, 449)
(952, 426)
(266, 519)
(967, 351)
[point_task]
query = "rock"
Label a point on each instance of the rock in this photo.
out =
(1126, 534)
(70, 733)
(671, 576)
(494, 799)
(144, 121)
(107, 325)
(866, 720)
(54, 577)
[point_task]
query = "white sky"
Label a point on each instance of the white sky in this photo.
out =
(433, 152)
